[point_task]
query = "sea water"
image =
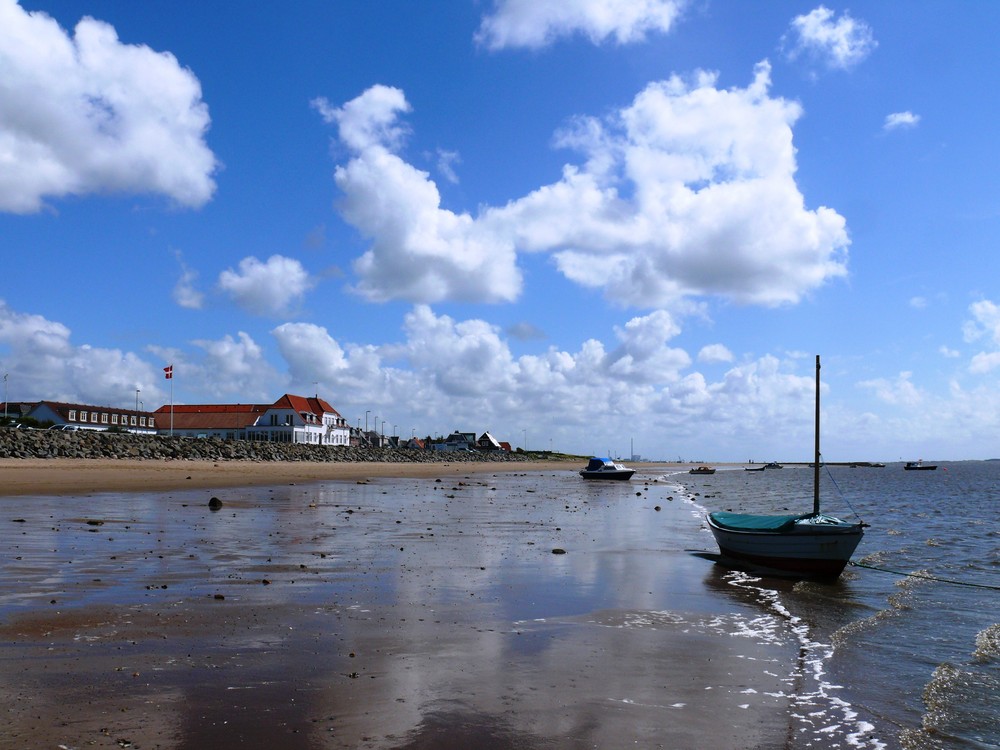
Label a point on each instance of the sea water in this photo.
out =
(630, 638)
(904, 652)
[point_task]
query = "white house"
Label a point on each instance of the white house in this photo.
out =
(290, 419)
(296, 419)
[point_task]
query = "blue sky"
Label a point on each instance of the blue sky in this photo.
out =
(589, 225)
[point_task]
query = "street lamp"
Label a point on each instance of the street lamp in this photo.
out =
(367, 412)
(137, 399)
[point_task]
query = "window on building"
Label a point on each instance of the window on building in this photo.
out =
(133, 420)
(93, 417)
(114, 419)
(72, 415)
(83, 416)
(142, 421)
(151, 422)
(104, 418)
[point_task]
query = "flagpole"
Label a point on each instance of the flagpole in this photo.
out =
(168, 373)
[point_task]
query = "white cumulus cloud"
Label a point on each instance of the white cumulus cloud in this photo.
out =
(689, 191)
(900, 391)
(985, 324)
(839, 43)
(266, 288)
(714, 354)
(420, 251)
(900, 120)
(230, 367)
(185, 293)
(537, 23)
(44, 364)
(88, 114)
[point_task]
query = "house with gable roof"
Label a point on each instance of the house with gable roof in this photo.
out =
(297, 419)
(457, 441)
(487, 442)
(290, 419)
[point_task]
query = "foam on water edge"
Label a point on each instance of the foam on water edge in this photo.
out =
(817, 710)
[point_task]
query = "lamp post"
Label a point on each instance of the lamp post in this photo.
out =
(525, 440)
(367, 412)
(5, 396)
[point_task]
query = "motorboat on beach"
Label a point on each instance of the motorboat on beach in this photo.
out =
(919, 466)
(754, 468)
(605, 468)
(702, 470)
(810, 545)
(773, 465)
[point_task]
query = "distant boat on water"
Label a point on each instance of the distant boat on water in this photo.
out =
(754, 468)
(773, 465)
(811, 545)
(702, 470)
(604, 468)
(919, 466)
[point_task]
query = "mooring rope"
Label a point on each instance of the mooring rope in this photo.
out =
(951, 581)
(840, 491)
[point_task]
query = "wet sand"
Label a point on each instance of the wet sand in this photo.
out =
(416, 606)
(78, 476)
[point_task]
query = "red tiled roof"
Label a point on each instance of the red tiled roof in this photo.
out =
(210, 416)
(299, 404)
(237, 416)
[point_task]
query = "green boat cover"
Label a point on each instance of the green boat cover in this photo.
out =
(753, 522)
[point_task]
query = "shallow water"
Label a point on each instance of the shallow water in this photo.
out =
(532, 610)
(917, 658)
(404, 613)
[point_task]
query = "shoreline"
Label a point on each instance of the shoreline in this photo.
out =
(76, 476)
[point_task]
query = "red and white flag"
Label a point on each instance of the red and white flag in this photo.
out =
(168, 372)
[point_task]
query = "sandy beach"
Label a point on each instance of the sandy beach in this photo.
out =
(81, 476)
(369, 606)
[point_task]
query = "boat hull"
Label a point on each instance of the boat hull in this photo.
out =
(820, 552)
(614, 475)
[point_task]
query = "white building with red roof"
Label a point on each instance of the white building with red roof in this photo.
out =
(290, 419)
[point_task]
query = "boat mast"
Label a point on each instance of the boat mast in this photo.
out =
(816, 452)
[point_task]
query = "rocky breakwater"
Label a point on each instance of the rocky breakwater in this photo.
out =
(108, 445)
